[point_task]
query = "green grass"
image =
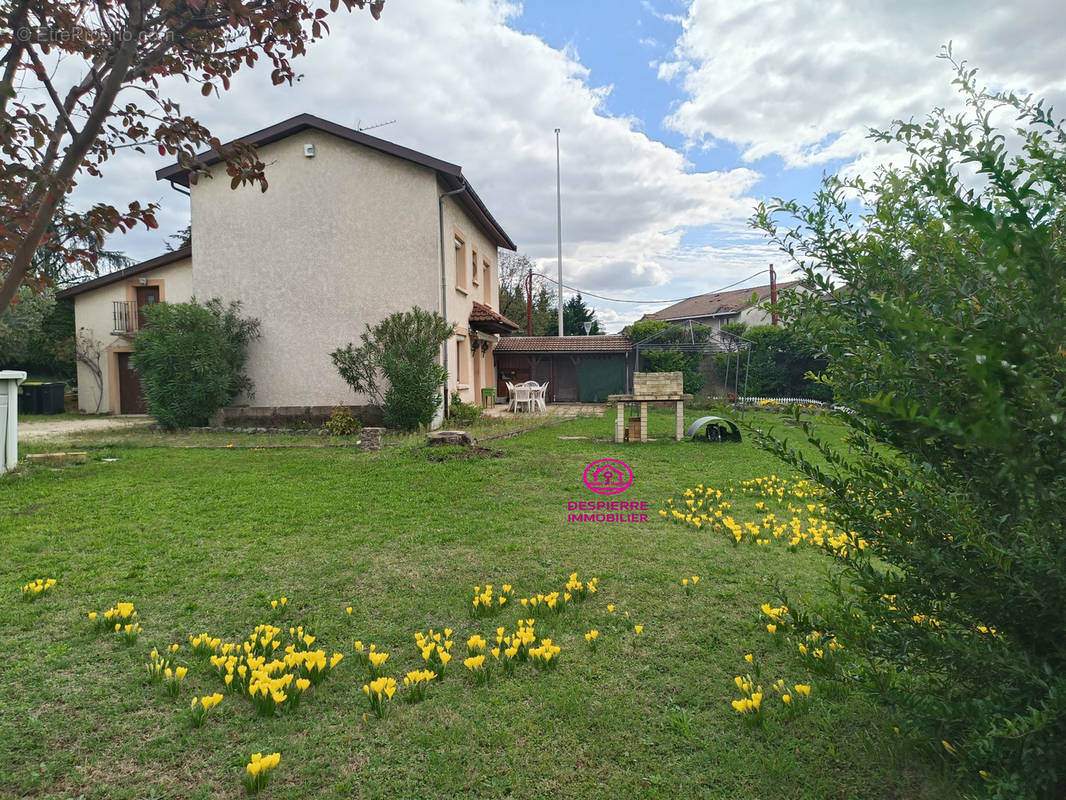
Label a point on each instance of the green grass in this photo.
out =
(201, 537)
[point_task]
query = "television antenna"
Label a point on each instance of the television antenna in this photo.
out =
(360, 127)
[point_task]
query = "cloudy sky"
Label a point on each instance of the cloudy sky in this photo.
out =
(676, 116)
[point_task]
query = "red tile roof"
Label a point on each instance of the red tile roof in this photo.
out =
(709, 305)
(485, 319)
(613, 343)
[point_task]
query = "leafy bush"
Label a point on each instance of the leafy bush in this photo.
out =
(780, 361)
(191, 359)
(404, 350)
(466, 413)
(342, 422)
(669, 360)
(688, 364)
(940, 314)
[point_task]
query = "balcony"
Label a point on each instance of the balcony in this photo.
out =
(127, 318)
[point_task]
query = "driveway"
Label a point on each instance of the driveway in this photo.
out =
(65, 428)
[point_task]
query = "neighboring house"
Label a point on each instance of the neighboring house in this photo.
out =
(718, 308)
(577, 368)
(350, 231)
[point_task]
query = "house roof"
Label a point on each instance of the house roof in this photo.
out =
(611, 343)
(128, 272)
(451, 175)
(483, 318)
(716, 303)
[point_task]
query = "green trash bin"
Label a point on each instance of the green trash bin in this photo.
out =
(38, 397)
(29, 397)
(51, 397)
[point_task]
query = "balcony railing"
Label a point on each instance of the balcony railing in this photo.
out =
(127, 318)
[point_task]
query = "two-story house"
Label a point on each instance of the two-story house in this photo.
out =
(352, 228)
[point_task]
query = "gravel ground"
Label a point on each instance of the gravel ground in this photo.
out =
(64, 428)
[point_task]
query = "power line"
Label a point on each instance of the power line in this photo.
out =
(644, 302)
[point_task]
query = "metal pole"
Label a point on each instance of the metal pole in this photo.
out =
(559, 226)
(747, 369)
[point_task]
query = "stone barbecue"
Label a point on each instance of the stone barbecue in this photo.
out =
(651, 387)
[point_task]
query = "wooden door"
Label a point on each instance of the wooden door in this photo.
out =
(130, 394)
(146, 295)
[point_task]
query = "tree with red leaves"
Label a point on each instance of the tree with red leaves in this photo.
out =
(81, 79)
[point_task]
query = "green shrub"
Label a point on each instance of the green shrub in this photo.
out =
(404, 349)
(467, 413)
(688, 364)
(342, 422)
(940, 314)
(780, 362)
(191, 358)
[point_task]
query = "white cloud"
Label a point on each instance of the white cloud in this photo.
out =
(466, 87)
(806, 79)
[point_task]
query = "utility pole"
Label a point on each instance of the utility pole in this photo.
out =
(773, 296)
(559, 227)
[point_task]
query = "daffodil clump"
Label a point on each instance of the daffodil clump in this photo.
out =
(172, 679)
(688, 584)
(574, 591)
(121, 619)
(204, 645)
(279, 604)
(779, 619)
(820, 651)
(486, 603)
(380, 692)
(750, 705)
(479, 662)
(37, 588)
(592, 639)
(579, 590)
(376, 662)
(435, 649)
(258, 771)
(273, 678)
(200, 706)
(416, 684)
(806, 519)
(158, 663)
(479, 669)
(545, 655)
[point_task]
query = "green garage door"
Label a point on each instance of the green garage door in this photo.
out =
(599, 377)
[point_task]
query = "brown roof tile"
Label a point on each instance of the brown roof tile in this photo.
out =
(485, 319)
(612, 343)
(709, 305)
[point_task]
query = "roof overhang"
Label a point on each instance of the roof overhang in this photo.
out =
(114, 277)
(483, 318)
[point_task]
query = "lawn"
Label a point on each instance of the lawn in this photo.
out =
(202, 536)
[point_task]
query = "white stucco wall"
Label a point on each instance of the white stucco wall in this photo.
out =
(338, 241)
(463, 379)
(94, 316)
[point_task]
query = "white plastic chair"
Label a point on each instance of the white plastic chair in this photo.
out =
(524, 396)
(510, 396)
(542, 396)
